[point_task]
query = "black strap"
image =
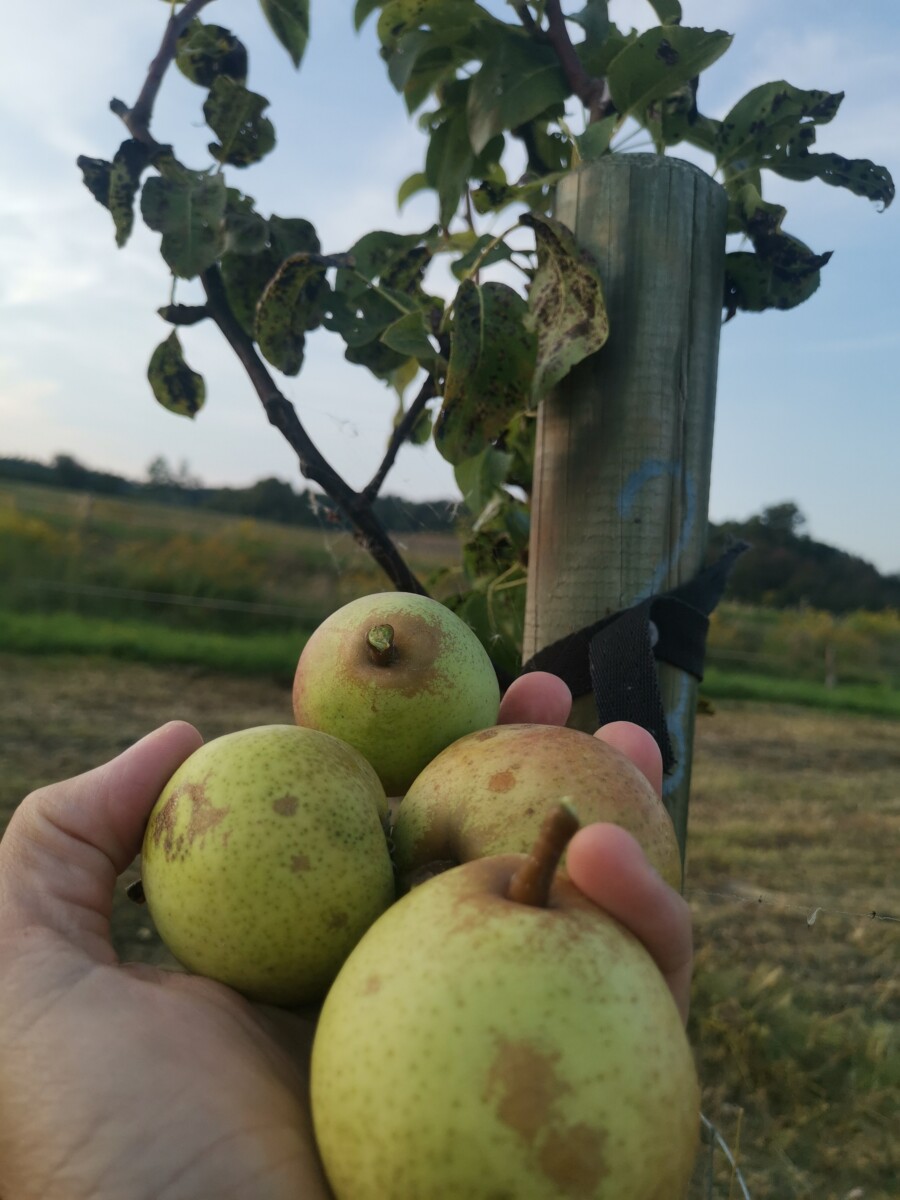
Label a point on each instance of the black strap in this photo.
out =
(615, 658)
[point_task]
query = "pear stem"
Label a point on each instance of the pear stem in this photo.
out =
(532, 881)
(380, 644)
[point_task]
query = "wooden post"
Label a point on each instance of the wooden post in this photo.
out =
(621, 480)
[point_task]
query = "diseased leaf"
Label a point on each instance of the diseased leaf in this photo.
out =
(520, 78)
(484, 252)
(235, 114)
(566, 310)
(749, 213)
(764, 120)
(95, 176)
(289, 20)
(175, 385)
(187, 208)
(660, 61)
(292, 303)
(206, 52)
(857, 175)
(489, 375)
(781, 274)
(399, 17)
(246, 275)
(129, 163)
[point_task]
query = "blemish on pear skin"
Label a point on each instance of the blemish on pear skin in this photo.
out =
(524, 1086)
(372, 985)
(502, 781)
(574, 1159)
(299, 863)
(204, 816)
(286, 806)
(338, 920)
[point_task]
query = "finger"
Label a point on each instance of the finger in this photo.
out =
(639, 745)
(66, 844)
(537, 698)
(610, 867)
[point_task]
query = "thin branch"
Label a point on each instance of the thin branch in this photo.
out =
(401, 432)
(281, 413)
(593, 92)
(137, 118)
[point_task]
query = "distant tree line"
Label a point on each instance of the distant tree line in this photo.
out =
(268, 499)
(784, 568)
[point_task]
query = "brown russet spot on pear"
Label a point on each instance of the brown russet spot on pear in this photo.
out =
(484, 796)
(397, 676)
(519, 1065)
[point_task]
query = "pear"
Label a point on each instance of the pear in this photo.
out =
(487, 794)
(398, 676)
(495, 1036)
(265, 860)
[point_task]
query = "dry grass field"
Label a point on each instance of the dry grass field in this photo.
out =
(792, 875)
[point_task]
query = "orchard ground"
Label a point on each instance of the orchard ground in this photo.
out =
(795, 816)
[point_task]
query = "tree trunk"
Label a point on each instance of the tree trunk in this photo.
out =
(621, 480)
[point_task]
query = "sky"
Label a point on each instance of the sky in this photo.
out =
(807, 406)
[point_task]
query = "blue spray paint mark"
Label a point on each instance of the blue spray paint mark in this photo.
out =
(677, 720)
(653, 468)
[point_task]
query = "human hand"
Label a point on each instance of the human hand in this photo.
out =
(128, 1080)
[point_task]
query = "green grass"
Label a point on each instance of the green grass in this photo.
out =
(271, 654)
(873, 699)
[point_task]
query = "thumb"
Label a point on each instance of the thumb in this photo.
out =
(66, 844)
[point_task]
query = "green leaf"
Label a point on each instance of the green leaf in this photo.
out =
(749, 213)
(292, 303)
(417, 182)
(594, 20)
(235, 114)
(289, 20)
(668, 11)
(520, 78)
(206, 52)
(187, 208)
(95, 176)
(246, 231)
(381, 360)
(174, 384)
(480, 477)
(124, 180)
(448, 163)
(484, 252)
(660, 61)
(594, 142)
(489, 375)
(399, 17)
(409, 335)
(760, 124)
(566, 310)
(362, 10)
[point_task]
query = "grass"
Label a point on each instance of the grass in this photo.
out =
(268, 654)
(875, 699)
(794, 811)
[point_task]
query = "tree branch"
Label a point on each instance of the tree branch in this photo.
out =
(356, 507)
(591, 91)
(281, 413)
(401, 432)
(137, 118)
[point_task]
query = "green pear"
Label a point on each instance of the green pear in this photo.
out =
(265, 860)
(398, 676)
(487, 794)
(488, 1040)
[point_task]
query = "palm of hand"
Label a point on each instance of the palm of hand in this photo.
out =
(199, 1092)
